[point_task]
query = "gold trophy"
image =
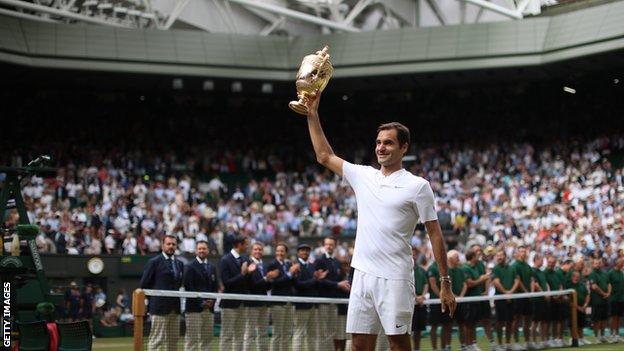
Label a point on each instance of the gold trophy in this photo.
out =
(313, 74)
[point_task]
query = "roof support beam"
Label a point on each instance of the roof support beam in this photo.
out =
(356, 10)
(515, 14)
(438, 12)
(60, 13)
(271, 27)
(296, 14)
(26, 16)
(177, 10)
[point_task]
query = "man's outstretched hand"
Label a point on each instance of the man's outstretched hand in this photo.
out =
(447, 299)
(313, 102)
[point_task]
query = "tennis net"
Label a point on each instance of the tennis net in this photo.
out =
(215, 321)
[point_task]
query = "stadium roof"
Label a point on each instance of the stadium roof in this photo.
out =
(281, 17)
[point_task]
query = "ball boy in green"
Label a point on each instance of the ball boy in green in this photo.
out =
(600, 292)
(506, 281)
(522, 307)
(615, 277)
(419, 319)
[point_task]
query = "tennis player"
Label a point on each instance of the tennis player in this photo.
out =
(390, 203)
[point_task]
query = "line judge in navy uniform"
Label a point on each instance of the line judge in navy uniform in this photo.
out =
(199, 275)
(281, 312)
(235, 270)
(305, 334)
(329, 287)
(257, 312)
(164, 272)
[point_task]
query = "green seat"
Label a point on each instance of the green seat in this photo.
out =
(75, 336)
(33, 336)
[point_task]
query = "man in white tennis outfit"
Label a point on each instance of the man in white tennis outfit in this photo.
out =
(390, 203)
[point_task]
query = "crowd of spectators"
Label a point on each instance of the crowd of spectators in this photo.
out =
(566, 199)
(506, 177)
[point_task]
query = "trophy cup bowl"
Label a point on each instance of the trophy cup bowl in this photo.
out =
(313, 75)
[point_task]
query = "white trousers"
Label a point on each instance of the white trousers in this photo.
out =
(256, 336)
(305, 335)
(232, 329)
(281, 316)
(327, 322)
(164, 333)
(199, 331)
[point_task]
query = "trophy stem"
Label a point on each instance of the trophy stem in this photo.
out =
(299, 107)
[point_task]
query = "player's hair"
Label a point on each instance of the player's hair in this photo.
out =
(521, 247)
(201, 242)
(257, 243)
(537, 256)
(282, 244)
(239, 239)
(403, 133)
(330, 238)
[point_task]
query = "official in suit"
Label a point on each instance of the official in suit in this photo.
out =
(164, 272)
(329, 287)
(281, 312)
(235, 270)
(257, 312)
(340, 340)
(199, 275)
(305, 335)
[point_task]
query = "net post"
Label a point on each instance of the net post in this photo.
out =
(138, 310)
(574, 320)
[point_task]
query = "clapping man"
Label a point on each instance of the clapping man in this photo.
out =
(235, 270)
(306, 283)
(281, 312)
(201, 276)
(329, 287)
(256, 312)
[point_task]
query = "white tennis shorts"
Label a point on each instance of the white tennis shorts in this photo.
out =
(377, 302)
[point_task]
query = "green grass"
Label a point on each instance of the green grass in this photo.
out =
(126, 344)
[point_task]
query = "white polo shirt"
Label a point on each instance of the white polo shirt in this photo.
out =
(388, 210)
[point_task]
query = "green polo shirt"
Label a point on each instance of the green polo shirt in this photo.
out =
(616, 279)
(581, 292)
(473, 274)
(540, 278)
(434, 272)
(420, 279)
(564, 278)
(506, 274)
(553, 279)
(458, 278)
(480, 267)
(599, 278)
(524, 271)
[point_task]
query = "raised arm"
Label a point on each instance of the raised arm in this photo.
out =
(324, 153)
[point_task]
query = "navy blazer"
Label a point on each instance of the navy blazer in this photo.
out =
(159, 275)
(283, 284)
(198, 278)
(328, 287)
(305, 285)
(232, 279)
(258, 286)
